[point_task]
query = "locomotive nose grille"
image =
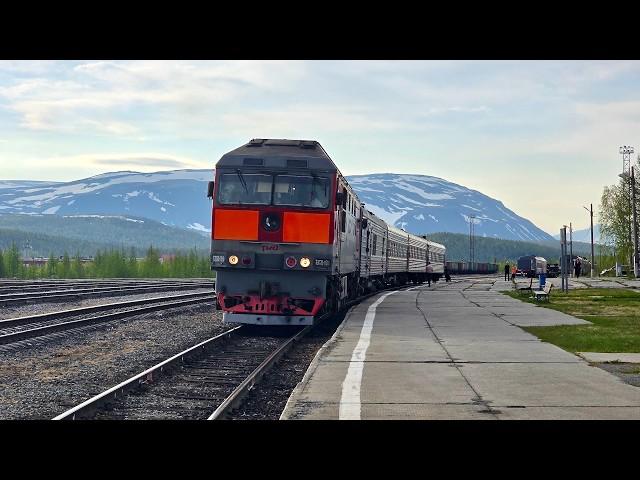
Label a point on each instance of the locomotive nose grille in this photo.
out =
(269, 261)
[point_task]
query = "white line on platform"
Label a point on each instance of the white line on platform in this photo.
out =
(350, 400)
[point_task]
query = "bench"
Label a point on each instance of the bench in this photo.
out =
(544, 293)
(523, 289)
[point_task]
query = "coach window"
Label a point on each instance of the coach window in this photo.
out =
(375, 243)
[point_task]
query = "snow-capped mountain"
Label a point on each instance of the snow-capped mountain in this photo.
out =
(417, 203)
(423, 204)
(175, 198)
(583, 235)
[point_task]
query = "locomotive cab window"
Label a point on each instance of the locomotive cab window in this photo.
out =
(245, 188)
(301, 191)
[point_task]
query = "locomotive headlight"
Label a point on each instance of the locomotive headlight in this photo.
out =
(305, 262)
(233, 260)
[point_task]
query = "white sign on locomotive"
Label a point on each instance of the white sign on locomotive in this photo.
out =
(291, 241)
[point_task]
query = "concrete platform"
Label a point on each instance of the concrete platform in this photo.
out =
(454, 351)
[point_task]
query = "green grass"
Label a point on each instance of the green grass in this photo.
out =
(614, 314)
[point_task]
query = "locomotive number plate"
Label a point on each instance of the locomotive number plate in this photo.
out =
(321, 262)
(217, 258)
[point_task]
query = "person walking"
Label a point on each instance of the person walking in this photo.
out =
(513, 272)
(447, 277)
(506, 272)
(577, 268)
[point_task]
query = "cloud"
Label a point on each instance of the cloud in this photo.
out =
(95, 94)
(131, 160)
(144, 162)
(306, 121)
(474, 122)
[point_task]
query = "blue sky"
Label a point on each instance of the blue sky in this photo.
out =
(541, 136)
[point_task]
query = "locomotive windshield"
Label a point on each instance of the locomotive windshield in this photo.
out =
(245, 188)
(263, 189)
(301, 191)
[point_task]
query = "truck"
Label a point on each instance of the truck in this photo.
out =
(531, 265)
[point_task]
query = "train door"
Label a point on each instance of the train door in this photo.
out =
(341, 219)
(408, 253)
(368, 254)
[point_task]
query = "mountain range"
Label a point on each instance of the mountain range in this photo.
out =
(418, 203)
(583, 235)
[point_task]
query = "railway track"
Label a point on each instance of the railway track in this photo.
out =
(16, 330)
(203, 382)
(69, 286)
(52, 296)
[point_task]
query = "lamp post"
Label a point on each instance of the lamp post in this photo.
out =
(472, 241)
(626, 151)
(592, 257)
(636, 265)
(633, 225)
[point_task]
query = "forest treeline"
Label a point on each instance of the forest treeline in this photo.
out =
(44, 234)
(495, 250)
(113, 263)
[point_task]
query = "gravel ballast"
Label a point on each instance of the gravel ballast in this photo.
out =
(627, 372)
(43, 381)
(38, 308)
(267, 400)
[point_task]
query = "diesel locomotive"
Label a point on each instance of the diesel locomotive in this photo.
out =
(291, 241)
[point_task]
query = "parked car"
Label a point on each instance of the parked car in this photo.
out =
(553, 270)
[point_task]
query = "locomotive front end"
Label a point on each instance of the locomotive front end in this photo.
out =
(273, 232)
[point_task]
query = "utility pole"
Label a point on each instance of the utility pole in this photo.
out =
(472, 246)
(571, 249)
(592, 257)
(563, 259)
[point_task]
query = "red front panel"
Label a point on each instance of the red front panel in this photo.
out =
(302, 227)
(299, 225)
(235, 224)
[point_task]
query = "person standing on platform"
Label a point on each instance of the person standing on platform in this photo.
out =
(513, 272)
(577, 268)
(506, 272)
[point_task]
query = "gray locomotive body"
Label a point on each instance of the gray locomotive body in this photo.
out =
(292, 241)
